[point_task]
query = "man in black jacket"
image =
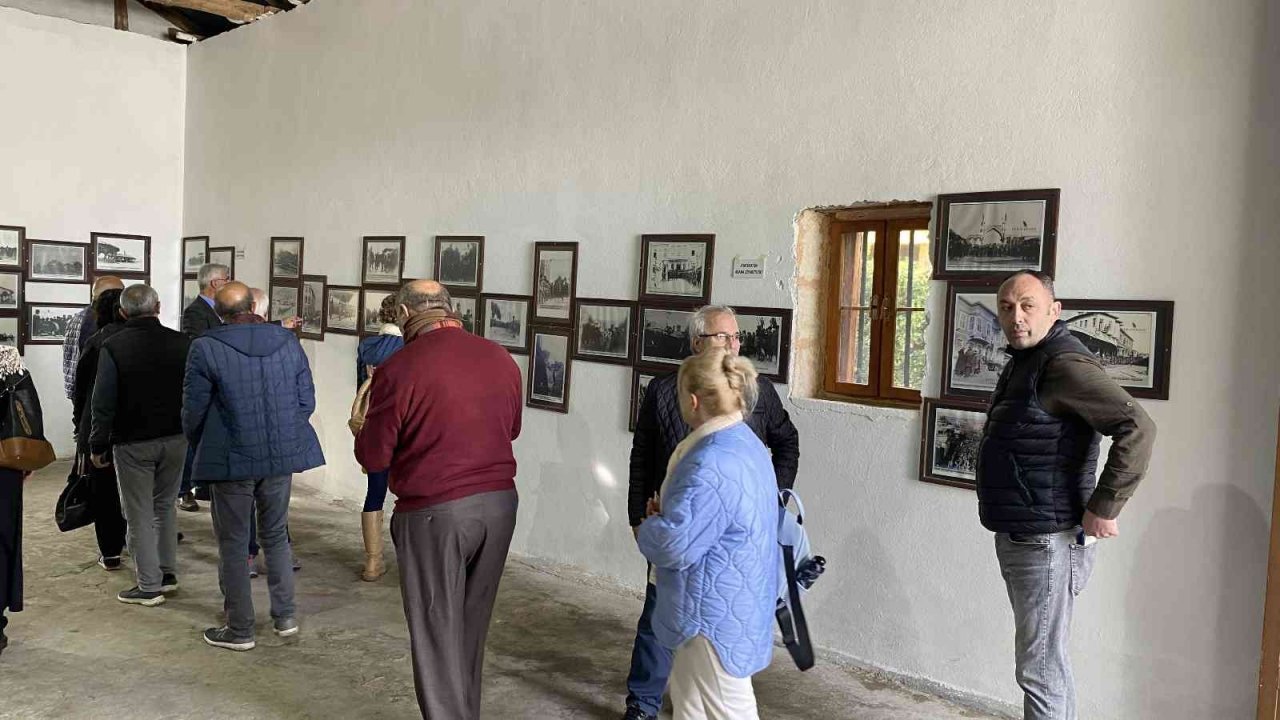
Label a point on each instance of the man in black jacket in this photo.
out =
(137, 413)
(196, 318)
(659, 428)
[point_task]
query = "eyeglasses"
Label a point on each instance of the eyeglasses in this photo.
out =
(727, 337)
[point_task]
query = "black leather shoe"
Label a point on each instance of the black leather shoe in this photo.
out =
(635, 713)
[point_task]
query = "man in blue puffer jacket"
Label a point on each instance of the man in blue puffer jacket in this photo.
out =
(247, 401)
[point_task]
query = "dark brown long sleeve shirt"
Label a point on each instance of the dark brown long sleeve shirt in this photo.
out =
(1075, 385)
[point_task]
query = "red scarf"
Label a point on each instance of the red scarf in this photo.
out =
(424, 322)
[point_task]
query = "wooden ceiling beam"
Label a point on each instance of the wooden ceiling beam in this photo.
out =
(122, 15)
(173, 17)
(237, 11)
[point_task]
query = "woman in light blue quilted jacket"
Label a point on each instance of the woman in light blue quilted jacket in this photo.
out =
(712, 539)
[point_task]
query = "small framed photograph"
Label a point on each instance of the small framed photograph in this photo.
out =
(55, 261)
(225, 255)
(10, 290)
(506, 320)
(342, 310)
(605, 331)
(286, 258)
(987, 235)
(549, 369)
(195, 253)
(46, 323)
(468, 309)
(950, 436)
(284, 301)
(383, 260)
(555, 282)
(973, 353)
(766, 340)
(460, 262)
(640, 378)
(10, 333)
(12, 238)
(312, 307)
(1132, 338)
(190, 291)
(121, 255)
(676, 268)
(370, 306)
(664, 335)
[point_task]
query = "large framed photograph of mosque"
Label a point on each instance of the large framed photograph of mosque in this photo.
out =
(988, 235)
(973, 343)
(1133, 339)
(950, 435)
(676, 269)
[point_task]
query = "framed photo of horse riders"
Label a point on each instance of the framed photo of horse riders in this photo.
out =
(766, 340)
(555, 282)
(383, 263)
(950, 436)
(676, 269)
(605, 331)
(987, 235)
(460, 262)
(504, 319)
(973, 342)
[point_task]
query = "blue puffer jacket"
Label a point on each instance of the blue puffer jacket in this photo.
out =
(375, 350)
(247, 400)
(715, 548)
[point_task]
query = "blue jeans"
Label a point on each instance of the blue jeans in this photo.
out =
(376, 497)
(650, 661)
(1043, 574)
(232, 505)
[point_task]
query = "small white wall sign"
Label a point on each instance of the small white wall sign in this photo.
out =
(748, 268)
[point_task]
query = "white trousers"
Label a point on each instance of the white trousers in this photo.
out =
(701, 689)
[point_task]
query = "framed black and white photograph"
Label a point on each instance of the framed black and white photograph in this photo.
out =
(10, 331)
(225, 255)
(505, 320)
(460, 262)
(640, 378)
(950, 436)
(58, 262)
(664, 335)
(286, 258)
(46, 323)
(383, 260)
(311, 308)
(11, 239)
(284, 302)
(988, 235)
(121, 255)
(190, 291)
(10, 290)
(195, 253)
(468, 309)
(548, 384)
(555, 282)
(1132, 338)
(973, 344)
(342, 310)
(605, 331)
(676, 268)
(766, 340)
(370, 306)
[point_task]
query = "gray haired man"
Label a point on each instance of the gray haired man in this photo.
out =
(137, 413)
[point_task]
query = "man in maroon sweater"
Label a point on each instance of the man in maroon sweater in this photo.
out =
(442, 415)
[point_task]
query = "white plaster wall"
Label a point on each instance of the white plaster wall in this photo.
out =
(91, 123)
(548, 120)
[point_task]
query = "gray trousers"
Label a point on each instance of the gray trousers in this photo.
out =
(451, 558)
(149, 473)
(232, 504)
(1044, 574)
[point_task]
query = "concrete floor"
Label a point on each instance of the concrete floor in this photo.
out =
(557, 648)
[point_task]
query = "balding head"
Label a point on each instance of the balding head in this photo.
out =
(260, 302)
(106, 282)
(1027, 308)
(422, 295)
(235, 298)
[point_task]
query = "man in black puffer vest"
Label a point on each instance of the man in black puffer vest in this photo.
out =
(1036, 486)
(659, 428)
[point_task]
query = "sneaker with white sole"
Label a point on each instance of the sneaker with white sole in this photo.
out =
(110, 564)
(169, 583)
(223, 637)
(137, 596)
(285, 627)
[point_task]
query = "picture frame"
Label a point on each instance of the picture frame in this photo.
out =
(286, 258)
(604, 330)
(284, 301)
(11, 330)
(54, 261)
(1132, 338)
(555, 282)
(125, 256)
(311, 306)
(370, 305)
(950, 435)
(975, 237)
(662, 335)
(550, 368)
(766, 340)
(195, 253)
(10, 291)
(973, 344)
(190, 291)
(676, 269)
(223, 255)
(467, 307)
(459, 262)
(342, 309)
(46, 323)
(13, 238)
(505, 320)
(641, 376)
(382, 261)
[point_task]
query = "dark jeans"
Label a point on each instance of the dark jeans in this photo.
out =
(185, 487)
(376, 497)
(232, 505)
(253, 535)
(650, 661)
(108, 517)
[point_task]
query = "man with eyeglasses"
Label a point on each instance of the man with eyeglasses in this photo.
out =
(659, 428)
(196, 318)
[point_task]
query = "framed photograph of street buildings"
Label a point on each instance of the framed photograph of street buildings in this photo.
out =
(195, 252)
(370, 306)
(555, 282)
(460, 262)
(505, 320)
(950, 436)
(383, 260)
(1132, 338)
(46, 323)
(664, 335)
(605, 331)
(121, 255)
(973, 349)
(284, 302)
(225, 255)
(988, 235)
(342, 310)
(676, 269)
(549, 369)
(59, 262)
(11, 239)
(286, 258)
(640, 379)
(467, 308)
(312, 307)
(766, 340)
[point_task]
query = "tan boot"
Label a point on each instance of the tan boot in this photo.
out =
(371, 528)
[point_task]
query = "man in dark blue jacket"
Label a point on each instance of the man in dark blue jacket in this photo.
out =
(247, 401)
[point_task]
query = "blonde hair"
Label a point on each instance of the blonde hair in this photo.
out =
(723, 382)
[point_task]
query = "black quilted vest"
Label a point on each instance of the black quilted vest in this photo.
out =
(1035, 470)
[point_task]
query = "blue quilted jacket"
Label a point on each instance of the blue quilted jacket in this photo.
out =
(247, 400)
(715, 550)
